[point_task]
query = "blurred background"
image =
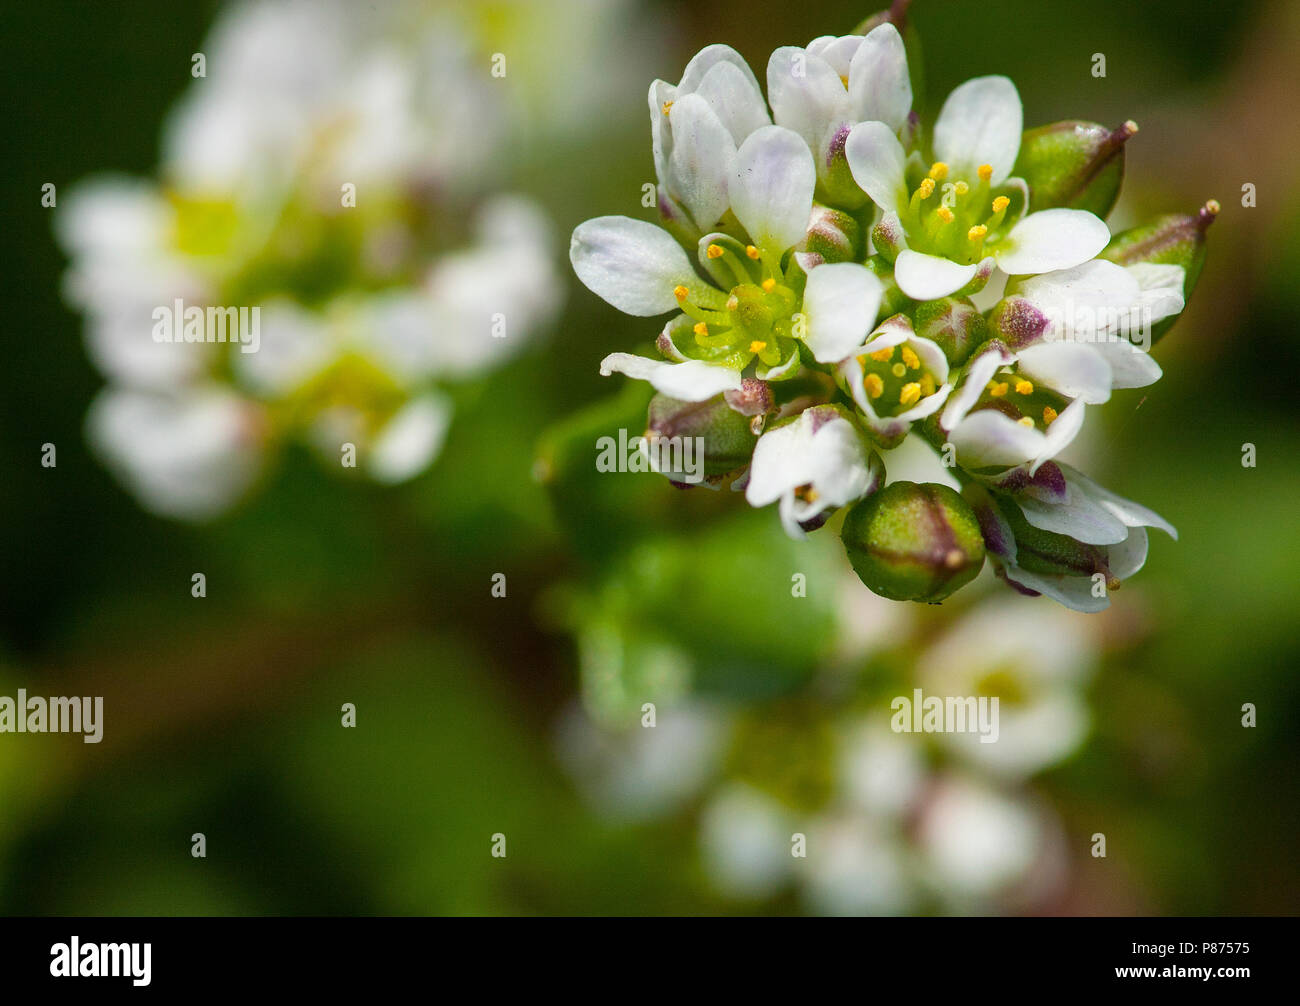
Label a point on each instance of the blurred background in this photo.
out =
(522, 715)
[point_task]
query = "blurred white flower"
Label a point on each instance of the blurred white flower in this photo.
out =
(1035, 661)
(745, 839)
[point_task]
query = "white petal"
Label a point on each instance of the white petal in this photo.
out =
(1130, 367)
(1095, 286)
(632, 265)
(979, 370)
(734, 96)
(772, 192)
(1079, 516)
(986, 438)
(410, 440)
(879, 87)
(703, 159)
(1128, 556)
(806, 94)
(705, 60)
(692, 381)
(1050, 240)
(877, 161)
(927, 277)
(1130, 513)
(841, 301)
(1060, 434)
(1072, 591)
(1073, 369)
(980, 123)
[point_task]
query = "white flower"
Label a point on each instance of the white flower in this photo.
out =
(999, 419)
(745, 841)
(188, 455)
(697, 128)
(1034, 662)
(954, 220)
(856, 867)
(812, 465)
(895, 379)
(822, 91)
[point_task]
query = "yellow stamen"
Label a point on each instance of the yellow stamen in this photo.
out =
(681, 293)
(1024, 388)
(985, 172)
(1049, 415)
(752, 252)
(769, 285)
(961, 188)
(977, 233)
(911, 359)
(944, 214)
(927, 188)
(927, 385)
(910, 395)
(883, 355)
(700, 328)
(1131, 127)
(938, 171)
(668, 107)
(715, 251)
(874, 385)
(898, 370)
(1026, 421)
(1000, 204)
(757, 346)
(998, 388)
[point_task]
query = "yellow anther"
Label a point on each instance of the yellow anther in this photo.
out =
(668, 107)
(1049, 415)
(927, 385)
(883, 355)
(911, 359)
(845, 82)
(681, 293)
(961, 188)
(1026, 421)
(927, 188)
(985, 172)
(1131, 127)
(700, 328)
(1024, 388)
(977, 233)
(898, 370)
(938, 171)
(944, 214)
(874, 385)
(998, 388)
(1212, 207)
(715, 251)
(807, 493)
(769, 285)
(751, 251)
(1000, 204)
(757, 346)
(910, 395)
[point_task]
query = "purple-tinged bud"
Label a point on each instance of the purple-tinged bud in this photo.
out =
(833, 236)
(914, 542)
(1017, 322)
(954, 325)
(888, 238)
(1073, 164)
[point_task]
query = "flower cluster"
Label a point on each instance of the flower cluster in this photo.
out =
(856, 278)
(329, 179)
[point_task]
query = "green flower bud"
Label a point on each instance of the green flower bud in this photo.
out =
(1077, 165)
(711, 435)
(911, 542)
(1176, 239)
(954, 325)
(1053, 554)
(833, 236)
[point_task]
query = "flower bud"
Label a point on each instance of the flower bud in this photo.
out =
(1073, 164)
(953, 324)
(833, 236)
(1176, 239)
(693, 441)
(911, 542)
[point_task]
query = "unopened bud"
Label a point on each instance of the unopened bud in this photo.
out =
(914, 542)
(954, 325)
(833, 236)
(723, 436)
(1078, 165)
